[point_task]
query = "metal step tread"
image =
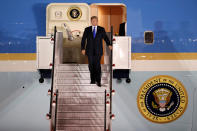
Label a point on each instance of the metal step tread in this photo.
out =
(76, 91)
(81, 88)
(61, 91)
(80, 65)
(79, 78)
(76, 71)
(81, 84)
(81, 104)
(79, 125)
(101, 89)
(85, 67)
(84, 101)
(77, 81)
(79, 97)
(81, 75)
(80, 111)
(80, 130)
(96, 118)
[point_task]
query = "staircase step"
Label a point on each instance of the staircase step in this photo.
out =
(81, 108)
(79, 78)
(91, 91)
(83, 87)
(81, 111)
(80, 87)
(79, 67)
(86, 74)
(80, 122)
(74, 71)
(82, 125)
(80, 115)
(81, 128)
(95, 118)
(81, 101)
(102, 65)
(93, 104)
(81, 94)
(77, 81)
(66, 97)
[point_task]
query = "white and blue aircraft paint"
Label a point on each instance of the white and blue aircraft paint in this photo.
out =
(23, 100)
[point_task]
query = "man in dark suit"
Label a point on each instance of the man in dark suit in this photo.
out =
(94, 48)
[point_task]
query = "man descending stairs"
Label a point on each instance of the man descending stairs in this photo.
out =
(79, 105)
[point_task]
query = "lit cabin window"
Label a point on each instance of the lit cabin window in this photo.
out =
(148, 37)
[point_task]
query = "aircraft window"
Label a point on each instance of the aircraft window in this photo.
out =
(148, 37)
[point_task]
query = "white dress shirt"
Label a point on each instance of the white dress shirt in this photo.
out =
(93, 28)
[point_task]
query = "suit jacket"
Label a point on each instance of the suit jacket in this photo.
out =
(122, 29)
(94, 46)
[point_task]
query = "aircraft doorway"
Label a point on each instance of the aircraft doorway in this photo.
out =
(109, 15)
(73, 18)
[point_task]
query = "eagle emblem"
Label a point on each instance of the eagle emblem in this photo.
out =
(74, 13)
(162, 98)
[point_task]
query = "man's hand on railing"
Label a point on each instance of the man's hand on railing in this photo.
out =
(110, 47)
(83, 52)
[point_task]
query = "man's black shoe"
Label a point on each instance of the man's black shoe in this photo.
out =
(98, 84)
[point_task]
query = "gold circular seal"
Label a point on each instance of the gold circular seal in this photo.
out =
(162, 99)
(74, 13)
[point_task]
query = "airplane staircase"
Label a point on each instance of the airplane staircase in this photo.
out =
(77, 105)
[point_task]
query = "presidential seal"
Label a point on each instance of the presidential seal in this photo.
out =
(162, 99)
(74, 13)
